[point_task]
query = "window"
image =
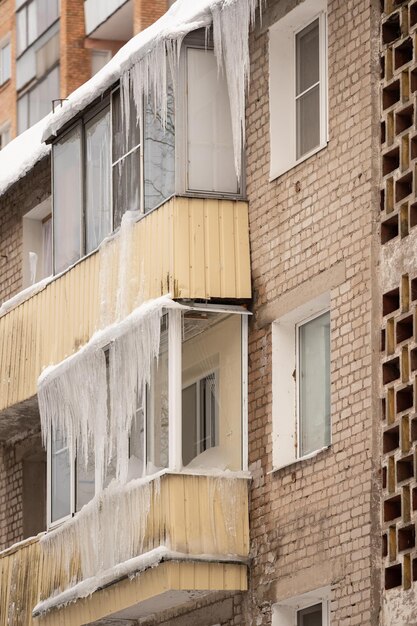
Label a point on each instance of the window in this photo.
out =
(37, 102)
(33, 19)
(5, 61)
(81, 189)
(99, 58)
(5, 135)
(37, 243)
(297, 60)
(309, 609)
(301, 382)
(192, 414)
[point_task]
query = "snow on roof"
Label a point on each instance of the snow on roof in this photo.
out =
(21, 154)
(183, 17)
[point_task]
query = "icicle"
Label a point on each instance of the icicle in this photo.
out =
(73, 396)
(231, 22)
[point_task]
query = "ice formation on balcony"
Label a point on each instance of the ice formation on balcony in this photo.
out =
(74, 395)
(97, 547)
(144, 63)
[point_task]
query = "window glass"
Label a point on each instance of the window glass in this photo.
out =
(311, 616)
(32, 22)
(157, 408)
(159, 155)
(125, 161)
(21, 31)
(23, 113)
(60, 479)
(5, 59)
(99, 58)
(85, 481)
(97, 179)
(212, 390)
(314, 384)
(137, 445)
(308, 89)
(41, 96)
(47, 246)
(5, 137)
(67, 197)
(210, 142)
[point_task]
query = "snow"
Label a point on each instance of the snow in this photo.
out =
(131, 568)
(145, 62)
(25, 294)
(21, 154)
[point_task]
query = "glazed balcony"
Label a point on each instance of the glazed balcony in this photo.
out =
(176, 536)
(109, 19)
(191, 248)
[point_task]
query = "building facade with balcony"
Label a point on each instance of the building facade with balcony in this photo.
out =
(207, 408)
(48, 48)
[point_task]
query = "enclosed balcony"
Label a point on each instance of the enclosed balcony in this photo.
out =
(190, 248)
(109, 19)
(175, 538)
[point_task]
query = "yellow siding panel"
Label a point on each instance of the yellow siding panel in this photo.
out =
(190, 247)
(180, 515)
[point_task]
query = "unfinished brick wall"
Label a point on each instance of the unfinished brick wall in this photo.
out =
(11, 491)
(18, 200)
(316, 522)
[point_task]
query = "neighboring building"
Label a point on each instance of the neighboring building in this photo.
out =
(48, 48)
(232, 339)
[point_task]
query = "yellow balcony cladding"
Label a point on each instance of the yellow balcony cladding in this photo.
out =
(185, 536)
(188, 247)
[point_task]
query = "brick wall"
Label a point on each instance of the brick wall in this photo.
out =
(315, 523)
(7, 90)
(146, 13)
(399, 310)
(11, 506)
(75, 58)
(21, 198)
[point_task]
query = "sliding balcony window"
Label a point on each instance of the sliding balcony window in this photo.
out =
(67, 199)
(126, 157)
(192, 414)
(35, 103)
(97, 180)
(210, 161)
(32, 19)
(81, 189)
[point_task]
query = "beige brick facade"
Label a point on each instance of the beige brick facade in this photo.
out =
(7, 90)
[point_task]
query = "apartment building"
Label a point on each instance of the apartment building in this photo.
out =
(207, 384)
(48, 48)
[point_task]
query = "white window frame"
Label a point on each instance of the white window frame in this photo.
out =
(282, 85)
(196, 381)
(285, 613)
(175, 387)
(285, 382)
(3, 45)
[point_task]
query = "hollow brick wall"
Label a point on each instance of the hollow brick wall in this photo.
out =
(398, 204)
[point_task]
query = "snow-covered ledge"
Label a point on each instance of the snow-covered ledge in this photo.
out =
(169, 516)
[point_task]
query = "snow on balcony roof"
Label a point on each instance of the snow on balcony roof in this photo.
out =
(183, 17)
(21, 154)
(231, 19)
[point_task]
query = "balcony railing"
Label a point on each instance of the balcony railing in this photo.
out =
(191, 248)
(178, 533)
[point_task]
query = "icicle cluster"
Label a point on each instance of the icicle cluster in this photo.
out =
(73, 396)
(97, 539)
(148, 77)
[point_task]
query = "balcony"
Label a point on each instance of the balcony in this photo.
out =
(188, 247)
(177, 537)
(109, 19)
